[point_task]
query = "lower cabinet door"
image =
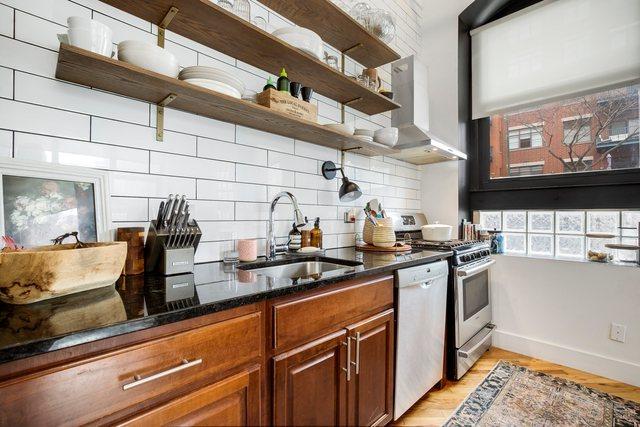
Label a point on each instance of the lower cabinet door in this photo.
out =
(310, 383)
(370, 390)
(233, 401)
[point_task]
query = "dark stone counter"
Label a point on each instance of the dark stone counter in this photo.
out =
(139, 302)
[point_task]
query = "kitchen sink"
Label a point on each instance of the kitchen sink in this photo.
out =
(302, 268)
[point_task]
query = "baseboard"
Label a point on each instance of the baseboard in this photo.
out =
(614, 369)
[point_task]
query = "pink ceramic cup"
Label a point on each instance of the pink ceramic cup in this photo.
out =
(247, 250)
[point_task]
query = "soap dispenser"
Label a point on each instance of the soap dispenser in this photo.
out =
(316, 234)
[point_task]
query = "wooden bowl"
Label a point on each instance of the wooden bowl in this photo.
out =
(50, 271)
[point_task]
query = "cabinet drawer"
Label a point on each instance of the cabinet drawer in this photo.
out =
(306, 318)
(88, 390)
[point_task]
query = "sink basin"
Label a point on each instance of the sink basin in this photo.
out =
(301, 269)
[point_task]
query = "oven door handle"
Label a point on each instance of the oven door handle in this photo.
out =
(466, 353)
(472, 271)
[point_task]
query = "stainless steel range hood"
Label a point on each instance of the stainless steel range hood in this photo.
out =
(416, 142)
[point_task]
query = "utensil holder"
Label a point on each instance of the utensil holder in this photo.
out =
(367, 230)
(161, 257)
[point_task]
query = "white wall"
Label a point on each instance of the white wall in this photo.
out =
(561, 311)
(440, 53)
(222, 166)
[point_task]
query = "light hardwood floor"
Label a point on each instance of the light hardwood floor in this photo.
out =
(436, 407)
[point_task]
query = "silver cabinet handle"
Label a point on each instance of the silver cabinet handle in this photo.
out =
(357, 338)
(348, 368)
(139, 380)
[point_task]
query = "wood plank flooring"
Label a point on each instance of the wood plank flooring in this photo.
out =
(436, 407)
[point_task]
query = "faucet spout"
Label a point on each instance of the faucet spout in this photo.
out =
(299, 219)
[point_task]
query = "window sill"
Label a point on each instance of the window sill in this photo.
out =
(569, 260)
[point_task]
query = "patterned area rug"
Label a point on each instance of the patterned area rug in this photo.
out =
(515, 396)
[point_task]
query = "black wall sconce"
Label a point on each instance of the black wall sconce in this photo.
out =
(349, 191)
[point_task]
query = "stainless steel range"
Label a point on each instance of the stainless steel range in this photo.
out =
(469, 297)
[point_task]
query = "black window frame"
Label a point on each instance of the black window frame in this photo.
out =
(615, 189)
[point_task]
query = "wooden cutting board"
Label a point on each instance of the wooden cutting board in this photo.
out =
(371, 248)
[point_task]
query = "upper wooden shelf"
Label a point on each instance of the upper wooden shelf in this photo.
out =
(337, 28)
(90, 69)
(209, 24)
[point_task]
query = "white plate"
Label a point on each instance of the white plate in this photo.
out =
(215, 86)
(341, 127)
(364, 138)
(302, 38)
(209, 73)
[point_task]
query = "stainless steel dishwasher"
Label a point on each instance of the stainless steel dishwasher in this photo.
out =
(422, 303)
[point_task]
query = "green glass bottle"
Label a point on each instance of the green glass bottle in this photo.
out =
(283, 81)
(269, 84)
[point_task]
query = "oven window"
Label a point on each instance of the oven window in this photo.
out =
(475, 293)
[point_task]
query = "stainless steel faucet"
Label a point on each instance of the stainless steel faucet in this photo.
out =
(272, 248)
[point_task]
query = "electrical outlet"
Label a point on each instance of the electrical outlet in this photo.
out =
(617, 332)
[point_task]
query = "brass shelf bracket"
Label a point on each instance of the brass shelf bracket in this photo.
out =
(162, 26)
(352, 101)
(352, 48)
(160, 116)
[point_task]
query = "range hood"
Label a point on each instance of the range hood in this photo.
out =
(416, 143)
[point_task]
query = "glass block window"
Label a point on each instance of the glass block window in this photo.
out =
(568, 234)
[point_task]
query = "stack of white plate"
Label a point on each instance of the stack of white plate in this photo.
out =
(213, 79)
(364, 135)
(302, 38)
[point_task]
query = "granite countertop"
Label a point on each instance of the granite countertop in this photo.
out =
(135, 303)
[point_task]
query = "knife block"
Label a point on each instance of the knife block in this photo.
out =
(159, 258)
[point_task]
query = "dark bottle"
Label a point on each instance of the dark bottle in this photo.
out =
(283, 81)
(269, 84)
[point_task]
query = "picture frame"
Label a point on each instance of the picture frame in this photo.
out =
(53, 178)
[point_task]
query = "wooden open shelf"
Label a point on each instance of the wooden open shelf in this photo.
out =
(209, 24)
(337, 28)
(90, 69)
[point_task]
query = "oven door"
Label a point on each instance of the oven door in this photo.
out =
(473, 299)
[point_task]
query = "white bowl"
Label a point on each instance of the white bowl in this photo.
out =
(148, 56)
(209, 73)
(363, 132)
(341, 127)
(386, 136)
(90, 35)
(301, 38)
(215, 86)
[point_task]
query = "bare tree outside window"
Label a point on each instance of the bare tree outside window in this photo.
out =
(590, 133)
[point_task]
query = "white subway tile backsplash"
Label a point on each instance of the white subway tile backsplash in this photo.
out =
(26, 57)
(142, 185)
(291, 162)
(319, 182)
(79, 153)
(192, 124)
(129, 209)
(306, 149)
(67, 96)
(6, 143)
(223, 190)
(172, 164)
(256, 138)
(230, 173)
(144, 137)
(34, 30)
(213, 149)
(51, 10)
(260, 175)
(6, 21)
(34, 118)
(202, 210)
(6, 83)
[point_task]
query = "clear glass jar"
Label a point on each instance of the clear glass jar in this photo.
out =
(242, 8)
(360, 11)
(381, 23)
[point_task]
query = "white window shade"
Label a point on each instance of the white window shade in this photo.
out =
(554, 49)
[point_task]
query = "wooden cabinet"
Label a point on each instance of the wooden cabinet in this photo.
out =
(233, 401)
(370, 391)
(310, 387)
(344, 377)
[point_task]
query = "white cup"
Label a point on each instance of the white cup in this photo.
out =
(90, 35)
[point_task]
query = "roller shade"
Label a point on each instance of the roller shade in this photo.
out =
(552, 50)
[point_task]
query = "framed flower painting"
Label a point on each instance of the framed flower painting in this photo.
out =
(40, 201)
